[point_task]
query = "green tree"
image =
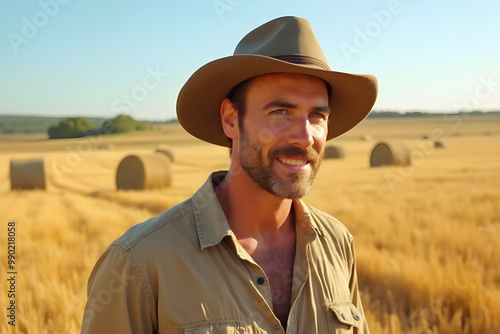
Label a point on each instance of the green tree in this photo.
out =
(142, 126)
(122, 124)
(72, 127)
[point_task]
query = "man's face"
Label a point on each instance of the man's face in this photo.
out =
(284, 132)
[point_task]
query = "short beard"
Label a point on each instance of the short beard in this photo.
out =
(297, 186)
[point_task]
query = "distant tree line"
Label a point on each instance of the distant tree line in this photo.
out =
(397, 114)
(75, 127)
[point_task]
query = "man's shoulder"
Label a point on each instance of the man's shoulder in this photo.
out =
(159, 230)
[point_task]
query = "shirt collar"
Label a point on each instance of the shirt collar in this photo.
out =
(304, 219)
(212, 225)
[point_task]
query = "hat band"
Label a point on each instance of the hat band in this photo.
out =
(303, 60)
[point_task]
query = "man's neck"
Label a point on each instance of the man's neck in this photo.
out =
(251, 211)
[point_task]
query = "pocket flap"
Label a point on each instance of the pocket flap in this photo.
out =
(218, 327)
(347, 314)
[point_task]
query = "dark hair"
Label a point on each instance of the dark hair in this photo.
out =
(238, 97)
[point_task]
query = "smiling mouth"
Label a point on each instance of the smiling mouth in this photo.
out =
(293, 162)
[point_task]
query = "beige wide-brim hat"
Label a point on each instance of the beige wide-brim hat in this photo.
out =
(283, 45)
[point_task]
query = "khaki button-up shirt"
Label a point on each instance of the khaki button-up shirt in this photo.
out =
(185, 272)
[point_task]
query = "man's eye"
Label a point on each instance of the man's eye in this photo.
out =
(279, 111)
(318, 115)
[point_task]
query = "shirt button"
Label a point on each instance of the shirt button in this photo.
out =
(343, 316)
(261, 280)
(356, 317)
(277, 328)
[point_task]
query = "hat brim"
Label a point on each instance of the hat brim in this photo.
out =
(198, 103)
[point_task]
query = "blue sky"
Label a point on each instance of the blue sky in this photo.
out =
(75, 57)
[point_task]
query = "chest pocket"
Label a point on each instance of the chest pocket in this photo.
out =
(343, 318)
(218, 327)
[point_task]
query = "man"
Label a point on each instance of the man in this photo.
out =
(245, 254)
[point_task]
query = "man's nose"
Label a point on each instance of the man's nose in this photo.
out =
(300, 133)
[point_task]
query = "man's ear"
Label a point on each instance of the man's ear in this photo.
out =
(229, 118)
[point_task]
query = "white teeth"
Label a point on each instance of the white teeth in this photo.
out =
(293, 162)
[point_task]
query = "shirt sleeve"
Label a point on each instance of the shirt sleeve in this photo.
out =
(355, 297)
(118, 300)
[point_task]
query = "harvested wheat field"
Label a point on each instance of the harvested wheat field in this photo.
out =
(426, 234)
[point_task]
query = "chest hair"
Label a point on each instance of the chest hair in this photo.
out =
(278, 267)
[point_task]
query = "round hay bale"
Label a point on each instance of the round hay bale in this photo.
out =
(439, 144)
(167, 151)
(27, 173)
(334, 152)
(144, 171)
(390, 153)
(425, 137)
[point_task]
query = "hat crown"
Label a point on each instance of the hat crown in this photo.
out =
(283, 38)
